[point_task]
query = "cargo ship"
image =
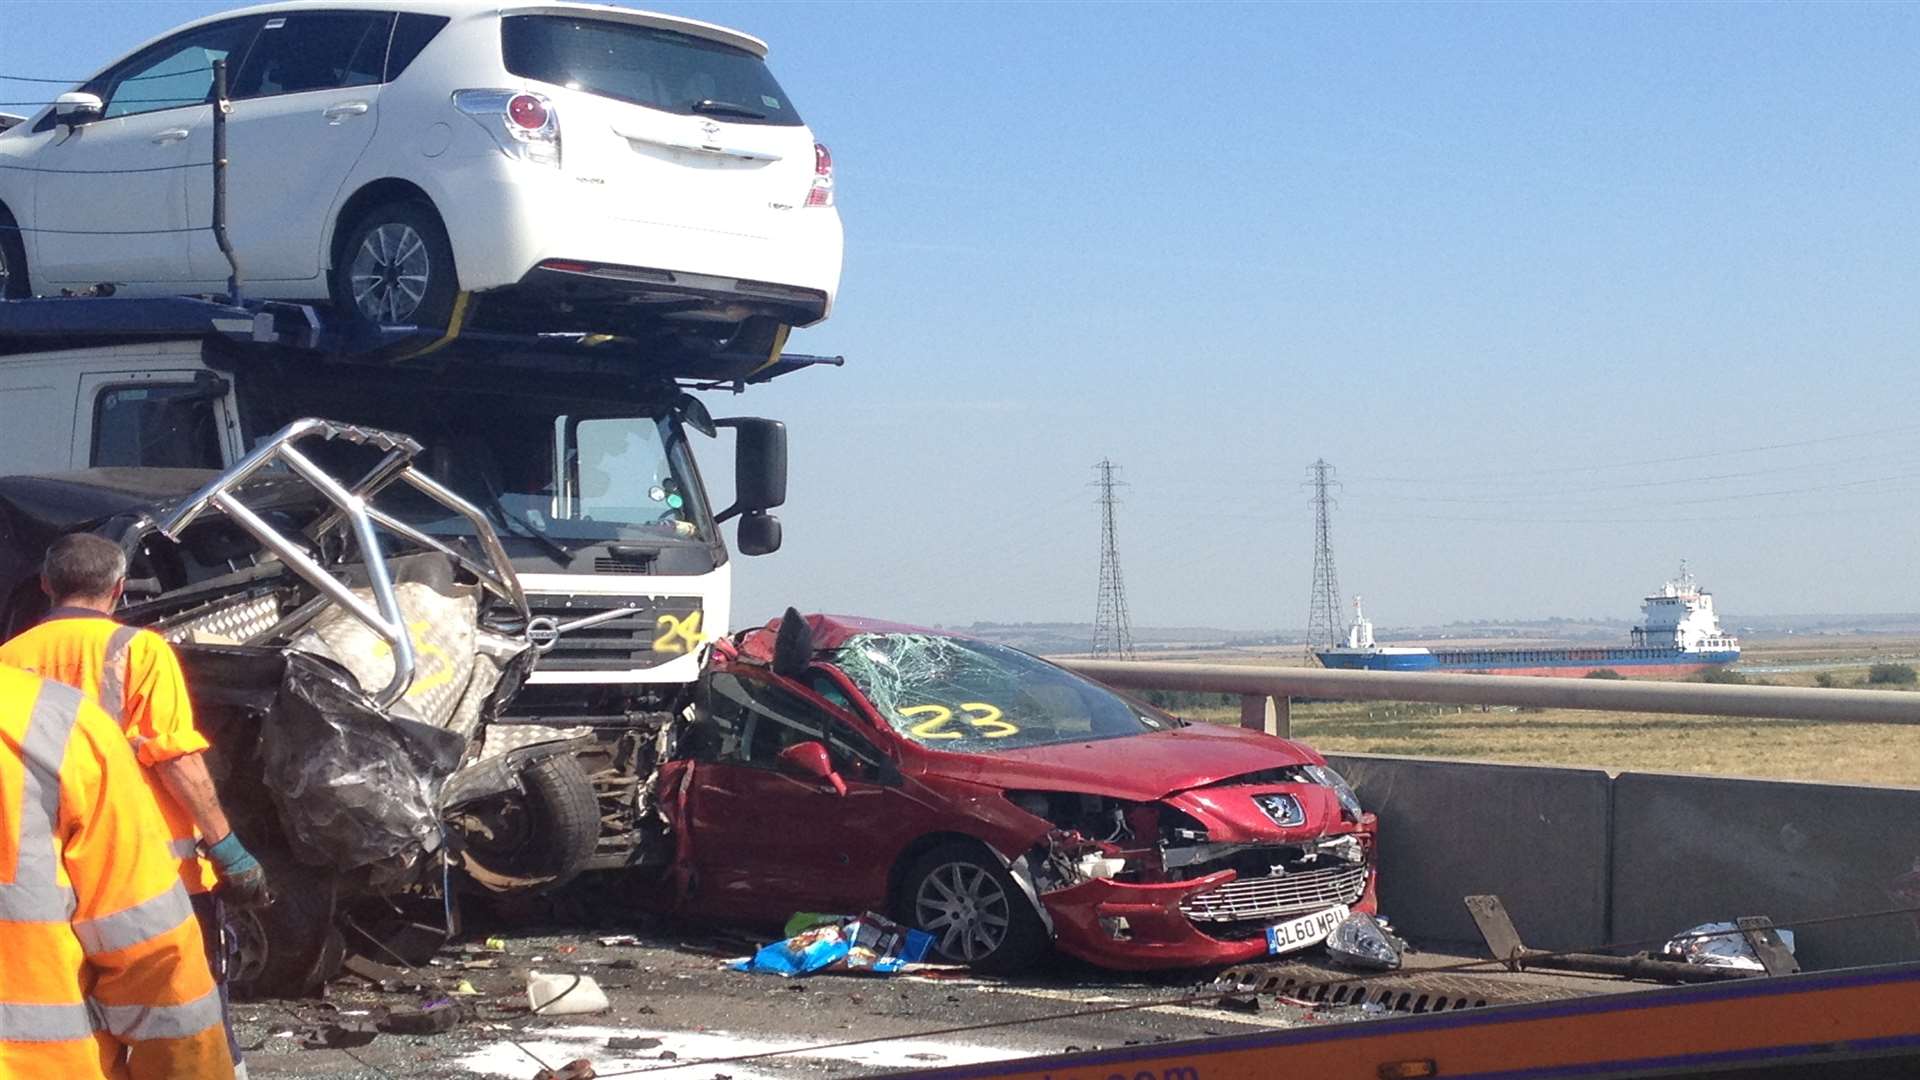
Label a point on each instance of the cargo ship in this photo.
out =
(1681, 635)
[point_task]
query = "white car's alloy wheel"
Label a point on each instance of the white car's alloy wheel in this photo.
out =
(390, 273)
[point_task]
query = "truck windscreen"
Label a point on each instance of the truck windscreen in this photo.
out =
(596, 479)
(560, 472)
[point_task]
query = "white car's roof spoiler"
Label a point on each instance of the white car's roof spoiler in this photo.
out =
(696, 27)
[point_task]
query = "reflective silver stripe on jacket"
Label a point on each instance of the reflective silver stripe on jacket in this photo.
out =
(184, 849)
(133, 1023)
(139, 923)
(44, 1023)
(113, 673)
(35, 894)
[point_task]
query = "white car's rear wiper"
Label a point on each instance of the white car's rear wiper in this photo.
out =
(710, 107)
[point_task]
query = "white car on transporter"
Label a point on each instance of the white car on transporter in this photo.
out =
(574, 166)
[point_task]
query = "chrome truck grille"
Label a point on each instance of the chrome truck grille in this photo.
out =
(661, 628)
(1277, 897)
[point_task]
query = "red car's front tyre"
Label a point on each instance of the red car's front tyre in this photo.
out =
(975, 911)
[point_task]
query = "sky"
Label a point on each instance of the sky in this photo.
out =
(1566, 293)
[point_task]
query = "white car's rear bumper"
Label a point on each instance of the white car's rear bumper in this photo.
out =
(506, 217)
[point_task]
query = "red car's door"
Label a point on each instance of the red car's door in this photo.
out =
(768, 841)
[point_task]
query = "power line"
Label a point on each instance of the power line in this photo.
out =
(77, 82)
(1112, 628)
(171, 103)
(1844, 485)
(1535, 493)
(1323, 607)
(1716, 519)
(1906, 429)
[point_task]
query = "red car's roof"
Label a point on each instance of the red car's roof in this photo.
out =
(1142, 767)
(829, 632)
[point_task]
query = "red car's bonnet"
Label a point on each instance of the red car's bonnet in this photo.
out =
(1138, 767)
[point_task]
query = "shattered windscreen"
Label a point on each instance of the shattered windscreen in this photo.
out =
(973, 697)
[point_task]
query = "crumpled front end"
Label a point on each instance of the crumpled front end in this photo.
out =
(357, 787)
(350, 660)
(1198, 878)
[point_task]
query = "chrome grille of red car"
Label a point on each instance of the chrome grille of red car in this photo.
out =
(1278, 897)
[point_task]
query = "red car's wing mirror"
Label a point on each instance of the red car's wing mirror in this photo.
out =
(810, 759)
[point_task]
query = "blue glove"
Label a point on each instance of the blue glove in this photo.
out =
(243, 879)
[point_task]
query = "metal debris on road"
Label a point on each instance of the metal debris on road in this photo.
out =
(1363, 941)
(1752, 944)
(1503, 941)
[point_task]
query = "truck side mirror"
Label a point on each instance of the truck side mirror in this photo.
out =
(759, 533)
(76, 108)
(759, 465)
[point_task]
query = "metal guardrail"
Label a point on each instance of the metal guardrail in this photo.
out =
(1266, 690)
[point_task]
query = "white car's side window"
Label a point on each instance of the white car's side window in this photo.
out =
(296, 54)
(176, 73)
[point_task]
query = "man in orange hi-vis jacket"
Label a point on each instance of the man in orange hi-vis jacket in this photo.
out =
(135, 677)
(102, 970)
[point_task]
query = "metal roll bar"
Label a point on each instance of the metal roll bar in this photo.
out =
(351, 505)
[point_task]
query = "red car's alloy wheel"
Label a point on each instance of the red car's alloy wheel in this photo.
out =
(965, 909)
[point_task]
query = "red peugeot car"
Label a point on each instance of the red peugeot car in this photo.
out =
(1001, 803)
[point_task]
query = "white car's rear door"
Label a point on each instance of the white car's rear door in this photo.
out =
(699, 172)
(304, 109)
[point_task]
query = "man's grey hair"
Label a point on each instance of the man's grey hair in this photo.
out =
(83, 564)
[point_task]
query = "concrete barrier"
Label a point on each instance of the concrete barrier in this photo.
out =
(1694, 849)
(1536, 836)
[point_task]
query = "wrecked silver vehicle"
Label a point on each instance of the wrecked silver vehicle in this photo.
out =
(344, 664)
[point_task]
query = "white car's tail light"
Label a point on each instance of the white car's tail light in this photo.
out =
(527, 112)
(526, 126)
(821, 193)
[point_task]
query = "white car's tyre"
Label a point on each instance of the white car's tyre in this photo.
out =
(13, 260)
(396, 268)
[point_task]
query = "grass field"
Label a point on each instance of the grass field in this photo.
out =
(1729, 746)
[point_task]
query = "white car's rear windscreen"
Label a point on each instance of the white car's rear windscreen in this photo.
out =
(645, 65)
